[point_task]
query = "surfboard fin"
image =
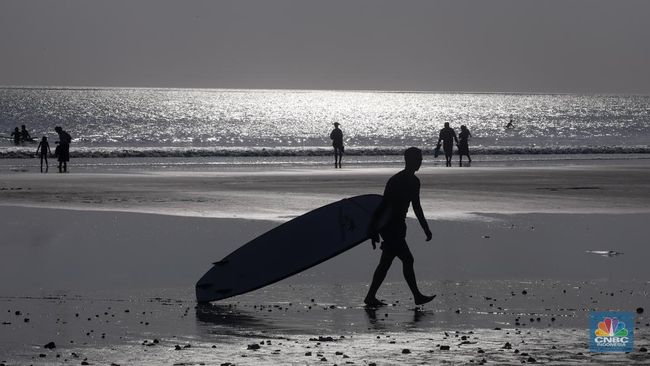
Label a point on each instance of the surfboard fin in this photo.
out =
(220, 263)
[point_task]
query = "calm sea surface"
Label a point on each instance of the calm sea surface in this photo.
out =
(190, 122)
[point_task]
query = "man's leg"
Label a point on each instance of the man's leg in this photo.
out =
(409, 275)
(340, 155)
(379, 276)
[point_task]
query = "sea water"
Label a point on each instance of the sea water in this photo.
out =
(121, 122)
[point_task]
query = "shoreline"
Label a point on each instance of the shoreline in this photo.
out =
(279, 193)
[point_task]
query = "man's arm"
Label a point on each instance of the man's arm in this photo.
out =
(417, 208)
(373, 230)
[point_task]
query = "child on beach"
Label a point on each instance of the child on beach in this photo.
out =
(44, 148)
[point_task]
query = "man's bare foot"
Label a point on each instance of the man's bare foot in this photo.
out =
(423, 299)
(373, 302)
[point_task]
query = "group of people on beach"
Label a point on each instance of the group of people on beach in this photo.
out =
(446, 139)
(61, 152)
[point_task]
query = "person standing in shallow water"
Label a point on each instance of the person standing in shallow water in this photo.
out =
(402, 190)
(24, 134)
(463, 145)
(337, 142)
(447, 136)
(63, 150)
(16, 136)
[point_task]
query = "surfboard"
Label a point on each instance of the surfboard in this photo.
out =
(436, 151)
(290, 248)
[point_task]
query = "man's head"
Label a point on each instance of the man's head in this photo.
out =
(446, 124)
(336, 124)
(413, 158)
(58, 129)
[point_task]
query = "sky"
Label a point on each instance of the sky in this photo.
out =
(545, 46)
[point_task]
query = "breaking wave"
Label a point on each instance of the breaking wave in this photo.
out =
(128, 152)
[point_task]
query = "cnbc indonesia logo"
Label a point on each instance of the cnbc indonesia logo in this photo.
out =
(609, 332)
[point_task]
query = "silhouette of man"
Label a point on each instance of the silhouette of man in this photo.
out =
(447, 136)
(402, 190)
(63, 150)
(337, 142)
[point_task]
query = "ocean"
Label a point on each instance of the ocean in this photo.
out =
(257, 124)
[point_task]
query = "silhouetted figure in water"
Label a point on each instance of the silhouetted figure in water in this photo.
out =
(510, 124)
(402, 190)
(463, 145)
(16, 136)
(42, 150)
(447, 136)
(337, 142)
(63, 150)
(24, 134)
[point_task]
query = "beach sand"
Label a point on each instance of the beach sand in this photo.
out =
(104, 266)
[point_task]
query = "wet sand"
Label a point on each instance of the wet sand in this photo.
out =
(92, 264)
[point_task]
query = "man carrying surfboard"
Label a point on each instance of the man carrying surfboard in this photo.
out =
(402, 190)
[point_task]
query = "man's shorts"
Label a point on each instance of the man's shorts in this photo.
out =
(394, 240)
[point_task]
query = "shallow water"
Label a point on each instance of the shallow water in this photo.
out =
(474, 318)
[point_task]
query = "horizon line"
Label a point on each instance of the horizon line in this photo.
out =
(397, 91)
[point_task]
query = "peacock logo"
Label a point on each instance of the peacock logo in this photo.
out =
(609, 331)
(611, 327)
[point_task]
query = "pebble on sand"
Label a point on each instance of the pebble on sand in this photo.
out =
(253, 346)
(639, 310)
(50, 345)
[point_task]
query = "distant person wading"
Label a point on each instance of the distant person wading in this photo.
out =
(337, 142)
(24, 134)
(16, 135)
(402, 190)
(447, 136)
